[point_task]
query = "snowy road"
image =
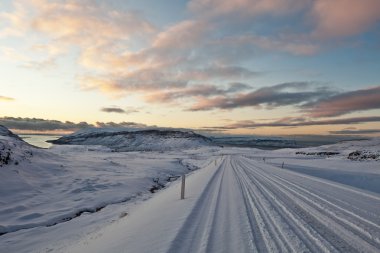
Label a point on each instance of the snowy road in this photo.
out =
(240, 205)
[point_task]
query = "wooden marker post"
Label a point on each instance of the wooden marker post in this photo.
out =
(183, 187)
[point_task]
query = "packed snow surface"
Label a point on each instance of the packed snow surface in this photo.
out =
(86, 198)
(236, 204)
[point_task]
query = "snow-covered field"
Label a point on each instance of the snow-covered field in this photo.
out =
(88, 199)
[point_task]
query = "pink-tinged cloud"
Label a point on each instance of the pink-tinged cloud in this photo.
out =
(3, 98)
(183, 93)
(298, 122)
(85, 20)
(201, 92)
(86, 25)
(337, 18)
(348, 102)
(204, 104)
(142, 81)
(190, 60)
(184, 34)
(284, 94)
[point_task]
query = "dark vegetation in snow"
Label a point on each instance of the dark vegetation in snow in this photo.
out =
(364, 155)
(317, 153)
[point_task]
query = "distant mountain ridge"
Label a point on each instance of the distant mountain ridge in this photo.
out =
(141, 140)
(255, 142)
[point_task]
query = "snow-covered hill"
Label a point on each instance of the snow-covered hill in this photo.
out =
(13, 149)
(5, 132)
(142, 140)
(40, 188)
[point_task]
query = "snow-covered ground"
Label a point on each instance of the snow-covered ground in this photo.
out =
(237, 204)
(88, 199)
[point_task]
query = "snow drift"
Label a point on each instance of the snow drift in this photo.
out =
(141, 140)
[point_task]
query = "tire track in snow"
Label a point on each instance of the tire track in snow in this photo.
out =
(338, 229)
(318, 239)
(193, 235)
(230, 223)
(215, 218)
(275, 240)
(247, 207)
(293, 229)
(366, 229)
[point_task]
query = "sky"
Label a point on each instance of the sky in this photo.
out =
(263, 67)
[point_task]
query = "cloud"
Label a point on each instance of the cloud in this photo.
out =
(235, 87)
(37, 124)
(49, 62)
(70, 20)
(184, 93)
(357, 131)
(340, 18)
(212, 8)
(219, 72)
(13, 55)
(121, 53)
(142, 82)
(295, 45)
(3, 98)
(86, 24)
(284, 94)
(199, 91)
(112, 109)
(345, 103)
(115, 109)
(296, 122)
(184, 34)
(329, 19)
(121, 125)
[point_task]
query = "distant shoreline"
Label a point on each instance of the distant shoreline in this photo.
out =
(39, 140)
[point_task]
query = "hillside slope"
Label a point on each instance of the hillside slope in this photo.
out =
(142, 140)
(13, 149)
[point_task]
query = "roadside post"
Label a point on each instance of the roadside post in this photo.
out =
(183, 187)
